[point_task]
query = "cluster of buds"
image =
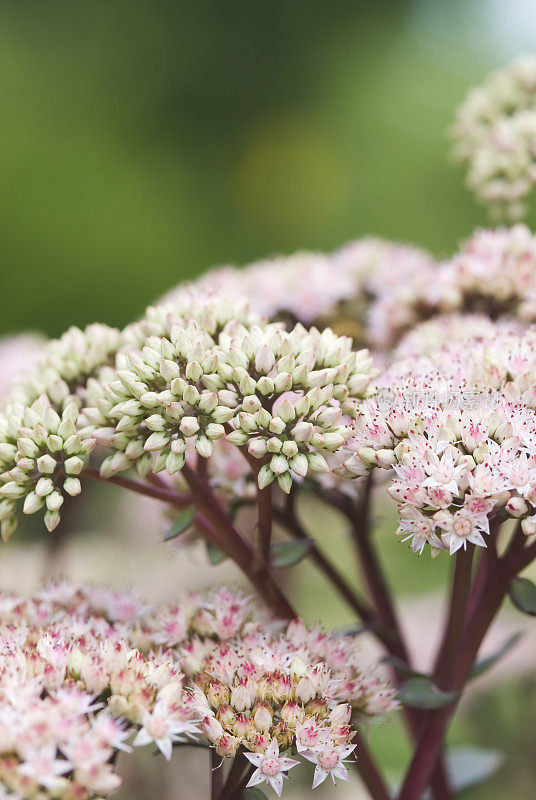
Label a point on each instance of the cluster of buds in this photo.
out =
(73, 691)
(49, 453)
(218, 615)
(283, 394)
(44, 442)
(494, 135)
(457, 428)
(299, 690)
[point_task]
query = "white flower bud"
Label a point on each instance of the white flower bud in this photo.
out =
(299, 465)
(43, 487)
(12, 490)
(283, 382)
(302, 431)
(54, 501)
(32, 503)
(264, 360)
(222, 414)
(169, 370)
(72, 486)
(265, 477)
(237, 437)
(204, 446)
(27, 447)
(73, 466)
(189, 426)
(516, 507)
(528, 525)
(317, 462)
(285, 482)
(52, 520)
(257, 447)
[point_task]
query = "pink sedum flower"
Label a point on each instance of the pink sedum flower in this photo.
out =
(330, 761)
(271, 767)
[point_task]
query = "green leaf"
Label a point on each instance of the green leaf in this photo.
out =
(182, 523)
(254, 794)
(214, 554)
(403, 668)
(485, 663)
(471, 766)
(523, 595)
(421, 693)
(287, 554)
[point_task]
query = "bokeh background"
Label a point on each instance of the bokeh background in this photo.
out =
(143, 142)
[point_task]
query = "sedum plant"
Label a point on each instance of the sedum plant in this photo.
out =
(248, 390)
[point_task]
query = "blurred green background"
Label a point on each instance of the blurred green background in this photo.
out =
(142, 142)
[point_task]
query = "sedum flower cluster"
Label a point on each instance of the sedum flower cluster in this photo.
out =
(457, 429)
(186, 376)
(362, 290)
(493, 276)
(72, 691)
(87, 672)
(282, 394)
(44, 442)
(494, 137)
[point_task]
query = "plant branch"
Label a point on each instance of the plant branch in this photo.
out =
(232, 543)
(293, 527)
(450, 645)
(370, 775)
(474, 631)
(216, 774)
(156, 492)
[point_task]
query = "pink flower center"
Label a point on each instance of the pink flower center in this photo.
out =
(270, 765)
(462, 526)
(328, 759)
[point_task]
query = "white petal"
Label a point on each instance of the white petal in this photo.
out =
(287, 763)
(165, 747)
(256, 778)
(255, 758)
(273, 749)
(320, 776)
(276, 782)
(341, 772)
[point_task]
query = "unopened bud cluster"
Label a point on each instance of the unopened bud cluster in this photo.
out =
(494, 134)
(44, 442)
(283, 395)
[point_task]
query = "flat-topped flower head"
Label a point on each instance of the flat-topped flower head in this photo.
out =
(282, 394)
(363, 290)
(457, 429)
(494, 134)
(452, 331)
(73, 691)
(494, 273)
(86, 672)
